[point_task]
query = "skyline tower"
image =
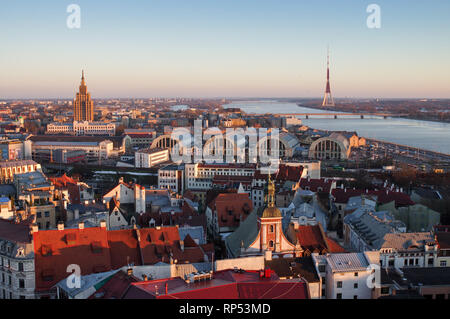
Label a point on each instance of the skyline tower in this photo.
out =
(83, 107)
(328, 98)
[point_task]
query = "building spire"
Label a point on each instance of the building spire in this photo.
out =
(82, 77)
(270, 192)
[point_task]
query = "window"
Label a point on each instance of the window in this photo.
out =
(38, 214)
(20, 266)
(21, 283)
(321, 268)
(47, 214)
(355, 297)
(271, 244)
(355, 285)
(339, 296)
(356, 274)
(391, 262)
(271, 229)
(339, 284)
(384, 290)
(443, 263)
(430, 261)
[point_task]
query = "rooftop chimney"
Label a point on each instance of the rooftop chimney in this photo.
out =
(182, 245)
(103, 224)
(130, 271)
(60, 226)
(81, 225)
(34, 228)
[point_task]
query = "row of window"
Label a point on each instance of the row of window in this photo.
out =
(5, 262)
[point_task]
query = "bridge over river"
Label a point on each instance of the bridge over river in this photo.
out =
(340, 114)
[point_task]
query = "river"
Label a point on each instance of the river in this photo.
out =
(433, 136)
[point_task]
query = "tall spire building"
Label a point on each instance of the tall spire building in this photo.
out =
(83, 107)
(328, 99)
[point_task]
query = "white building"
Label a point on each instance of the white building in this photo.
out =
(94, 150)
(347, 275)
(199, 176)
(10, 168)
(17, 275)
(172, 177)
(293, 121)
(6, 208)
(82, 128)
(408, 250)
(127, 194)
(147, 158)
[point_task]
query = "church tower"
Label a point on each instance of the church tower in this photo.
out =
(83, 107)
(271, 231)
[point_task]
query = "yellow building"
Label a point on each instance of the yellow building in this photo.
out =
(83, 107)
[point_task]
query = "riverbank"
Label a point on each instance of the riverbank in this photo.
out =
(426, 135)
(411, 117)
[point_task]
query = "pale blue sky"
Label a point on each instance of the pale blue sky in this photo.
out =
(200, 48)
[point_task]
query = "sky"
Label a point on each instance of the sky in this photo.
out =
(218, 48)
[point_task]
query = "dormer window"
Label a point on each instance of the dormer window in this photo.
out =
(46, 250)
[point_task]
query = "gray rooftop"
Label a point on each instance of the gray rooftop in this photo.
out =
(347, 262)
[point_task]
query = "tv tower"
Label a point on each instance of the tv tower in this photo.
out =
(328, 99)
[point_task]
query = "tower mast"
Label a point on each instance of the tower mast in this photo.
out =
(328, 98)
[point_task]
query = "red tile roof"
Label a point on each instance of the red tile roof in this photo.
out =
(314, 185)
(289, 173)
(96, 250)
(124, 248)
(231, 208)
(335, 247)
(115, 287)
(66, 182)
(56, 249)
(225, 284)
(313, 239)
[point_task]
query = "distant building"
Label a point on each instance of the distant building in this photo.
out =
(172, 177)
(333, 147)
(418, 217)
(82, 128)
(10, 168)
(150, 157)
(83, 106)
(11, 150)
(44, 147)
(141, 138)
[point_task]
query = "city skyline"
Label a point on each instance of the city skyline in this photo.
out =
(233, 49)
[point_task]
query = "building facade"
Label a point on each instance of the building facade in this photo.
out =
(83, 106)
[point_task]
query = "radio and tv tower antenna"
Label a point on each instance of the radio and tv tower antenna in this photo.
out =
(328, 98)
